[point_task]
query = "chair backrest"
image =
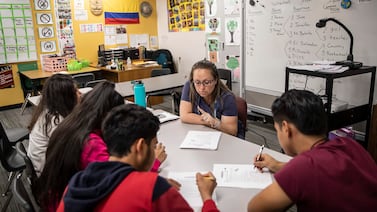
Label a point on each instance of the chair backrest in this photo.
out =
(165, 59)
(94, 83)
(242, 113)
(82, 79)
(9, 158)
(23, 194)
(29, 170)
(160, 72)
(225, 74)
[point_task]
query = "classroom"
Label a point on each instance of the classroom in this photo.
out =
(150, 52)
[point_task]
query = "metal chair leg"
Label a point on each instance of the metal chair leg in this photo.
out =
(25, 103)
(12, 175)
(6, 203)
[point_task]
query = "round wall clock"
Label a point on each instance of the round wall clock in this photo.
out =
(96, 7)
(145, 9)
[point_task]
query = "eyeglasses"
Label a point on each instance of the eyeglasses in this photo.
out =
(205, 83)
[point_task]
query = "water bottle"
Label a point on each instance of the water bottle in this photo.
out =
(139, 93)
(129, 63)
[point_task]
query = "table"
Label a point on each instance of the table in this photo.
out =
(152, 84)
(129, 73)
(40, 75)
(231, 150)
(353, 113)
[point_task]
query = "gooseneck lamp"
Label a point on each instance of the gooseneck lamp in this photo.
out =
(349, 62)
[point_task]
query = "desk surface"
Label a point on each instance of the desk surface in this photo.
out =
(153, 84)
(39, 74)
(231, 150)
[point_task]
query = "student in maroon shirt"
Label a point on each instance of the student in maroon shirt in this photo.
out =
(324, 175)
(124, 183)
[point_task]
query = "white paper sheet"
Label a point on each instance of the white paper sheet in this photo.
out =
(201, 140)
(241, 176)
(189, 190)
(164, 116)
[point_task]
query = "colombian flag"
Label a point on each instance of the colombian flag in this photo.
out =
(121, 18)
(121, 12)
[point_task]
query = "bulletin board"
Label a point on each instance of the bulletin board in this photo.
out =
(17, 41)
(186, 16)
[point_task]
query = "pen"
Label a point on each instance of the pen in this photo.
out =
(209, 178)
(260, 153)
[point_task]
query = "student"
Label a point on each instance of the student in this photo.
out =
(324, 175)
(206, 100)
(124, 183)
(75, 143)
(59, 97)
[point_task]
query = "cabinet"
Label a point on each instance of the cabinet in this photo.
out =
(351, 115)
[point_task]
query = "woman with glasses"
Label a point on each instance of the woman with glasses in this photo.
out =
(206, 100)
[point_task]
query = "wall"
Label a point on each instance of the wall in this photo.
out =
(87, 43)
(186, 47)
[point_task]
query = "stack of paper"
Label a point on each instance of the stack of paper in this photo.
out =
(164, 116)
(241, 176)
(201, 140)
(322, 68)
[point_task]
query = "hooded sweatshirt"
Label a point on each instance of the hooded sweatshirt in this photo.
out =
(116, 186)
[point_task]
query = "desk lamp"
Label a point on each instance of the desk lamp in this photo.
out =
(349, 62)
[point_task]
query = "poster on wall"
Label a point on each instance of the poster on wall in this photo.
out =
(233, 31)
(64, 29)
(213, 49)
(16, 33)
(6, 77)
(233, 63)
(185, 16)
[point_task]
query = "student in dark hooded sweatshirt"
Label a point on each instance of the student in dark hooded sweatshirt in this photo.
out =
(124, 183)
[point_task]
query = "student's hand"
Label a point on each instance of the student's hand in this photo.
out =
(174, 183)
(160, 152)
(206, 185)
(208, 119)
(267, 161)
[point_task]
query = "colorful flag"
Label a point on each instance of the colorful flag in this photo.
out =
(121, 12)
(121, 18)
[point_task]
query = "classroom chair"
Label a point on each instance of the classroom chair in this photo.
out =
(82, 79)
(23, 194)
(11, 161)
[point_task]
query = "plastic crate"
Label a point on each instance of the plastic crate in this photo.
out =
(55, 64)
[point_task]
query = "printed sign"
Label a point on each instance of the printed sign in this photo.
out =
(42, 4)
(44, 18)
(48, 46)
(46, 32)
(6, 77)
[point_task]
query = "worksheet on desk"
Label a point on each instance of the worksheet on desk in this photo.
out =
(189, 190)
(201, 140)
(241, 176)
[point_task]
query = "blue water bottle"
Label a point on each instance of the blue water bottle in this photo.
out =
(139, 93)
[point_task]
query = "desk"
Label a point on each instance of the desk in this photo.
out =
(159, 83)
(133, 72)
(39, 74)
(231, 150)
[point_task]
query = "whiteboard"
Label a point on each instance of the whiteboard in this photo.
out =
(280, 33)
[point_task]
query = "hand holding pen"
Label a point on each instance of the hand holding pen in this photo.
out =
(265, 160)
(258, 158)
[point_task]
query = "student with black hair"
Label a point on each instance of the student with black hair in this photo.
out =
(124, 183)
